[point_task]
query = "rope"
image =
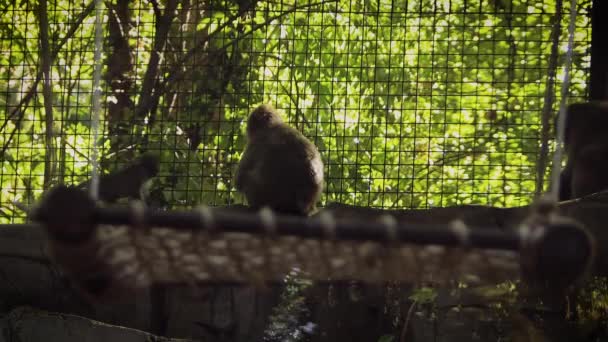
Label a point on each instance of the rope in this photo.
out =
(94, 187)
(563, 112)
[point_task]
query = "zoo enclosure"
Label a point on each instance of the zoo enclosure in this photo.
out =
(412, 104)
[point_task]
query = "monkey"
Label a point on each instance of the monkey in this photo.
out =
(280, 168)
(586, 148)
(590, 170)
(127, 182)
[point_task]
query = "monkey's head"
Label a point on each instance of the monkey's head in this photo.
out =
(263, 117)
(586, 122)
(150, 162)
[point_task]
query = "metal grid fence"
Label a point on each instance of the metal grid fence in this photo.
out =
(412, 104)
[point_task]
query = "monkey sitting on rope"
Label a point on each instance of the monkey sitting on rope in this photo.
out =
(280, 168)
(586, 145)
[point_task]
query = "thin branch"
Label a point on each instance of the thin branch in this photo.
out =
(163, 24)
(294, 100)
(148, 98)
(175, 73)
(32, 91)
(406, 323)
(446, 159)
(548, 100)
(47, 93)
(510, 79)
(54, 54)
(156, 8)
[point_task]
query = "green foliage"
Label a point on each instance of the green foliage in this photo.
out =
(412, 104)
(593, 301)
(401, 98)
(424, 295)
(285, 324)
(386, 338)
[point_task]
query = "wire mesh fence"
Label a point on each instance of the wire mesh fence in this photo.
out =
(411, 104)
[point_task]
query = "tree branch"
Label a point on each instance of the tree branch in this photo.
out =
(163, 24)
(175, 73)
(548, 100)
(46, 62)
(32, 90)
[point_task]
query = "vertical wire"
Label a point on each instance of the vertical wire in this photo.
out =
(561, 119)
(94, 187)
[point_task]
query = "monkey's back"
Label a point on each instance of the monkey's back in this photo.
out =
(589, 170)
(288, 175)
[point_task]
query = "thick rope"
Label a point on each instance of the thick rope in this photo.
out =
(561, 119)
(95, 114)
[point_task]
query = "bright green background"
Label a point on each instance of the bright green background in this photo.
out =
(412, 104)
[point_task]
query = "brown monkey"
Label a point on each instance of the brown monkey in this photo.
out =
(127, 182)
(586, 145)
(590, 170)
(280, 168)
